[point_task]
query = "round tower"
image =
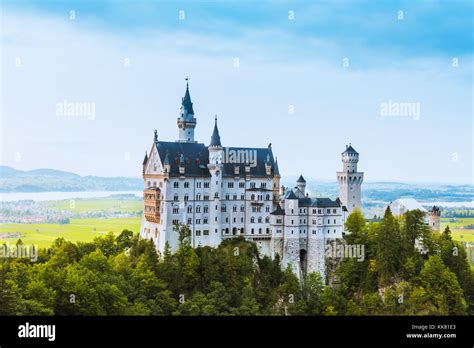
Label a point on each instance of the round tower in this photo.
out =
(186, 120)
(434, 217)
(350, 180)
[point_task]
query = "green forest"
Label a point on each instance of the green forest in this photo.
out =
(124, 275)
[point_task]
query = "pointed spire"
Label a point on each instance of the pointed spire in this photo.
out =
(145, 159)
(276, 170)
(215, 138)
(301, 179)
(186, 101)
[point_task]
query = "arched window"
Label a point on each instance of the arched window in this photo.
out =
(252, 220)
(190, 209)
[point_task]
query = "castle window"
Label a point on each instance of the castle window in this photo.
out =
(227, 230)
(242, 208)
(252, 197)
(216, 195)
(190, 221)
(328, 221)
(259, 231)
(241, 219)
(175, 198)
(235, 197)
(186, 197)
(242, 197)
(234, 208)
(328, 211)
(149, 184)
(267, 219)
(176, 184)
(198, 221)
(252, 231)
(223, 209)
(186, 184)
(175, 210)
(334, 221)
(252, 185)
(314, 232)
(206, 185)
(263, 185)
(205, 220)
(230, 185)
(267, 209)
(198, 197)
(216, 207)
(259, 219)
(198, 232)
(206, 232)
(241, 184)
(268, 231)
(226, 219)
(198, 184)
(227, 197)
(198, 209)
(252, 220)
(206, 209)
(319, 211)
(206, 197)
(267, 197)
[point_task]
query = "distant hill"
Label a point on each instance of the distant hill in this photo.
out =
(44, 180)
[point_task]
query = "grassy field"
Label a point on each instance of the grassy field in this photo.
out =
(43, 235)
(459, 233)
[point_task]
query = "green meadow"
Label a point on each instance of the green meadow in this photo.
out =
(457, 228)
(83, 230)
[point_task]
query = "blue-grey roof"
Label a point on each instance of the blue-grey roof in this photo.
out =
(196, 158)
(301, 179)
(186, 101)
(215, 138)
(318, 202)
(350, 149)
(290, 195)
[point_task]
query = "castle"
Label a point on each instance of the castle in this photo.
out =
(224, 192)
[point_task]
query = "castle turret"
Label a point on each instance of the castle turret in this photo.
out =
(215, 166)
(186, 120)
(301, 184)
(434, 216)
(350, 180)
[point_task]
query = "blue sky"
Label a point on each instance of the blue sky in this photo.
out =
(283, 63)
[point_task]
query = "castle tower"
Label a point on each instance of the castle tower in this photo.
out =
(291, 241)
(350, 180)
(301, 184)
(434, 216)
(215, 166)
(186, 120)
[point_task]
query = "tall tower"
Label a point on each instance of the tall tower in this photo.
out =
(186, 120)
(215, 166)
(434, 218)
(350, 180)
